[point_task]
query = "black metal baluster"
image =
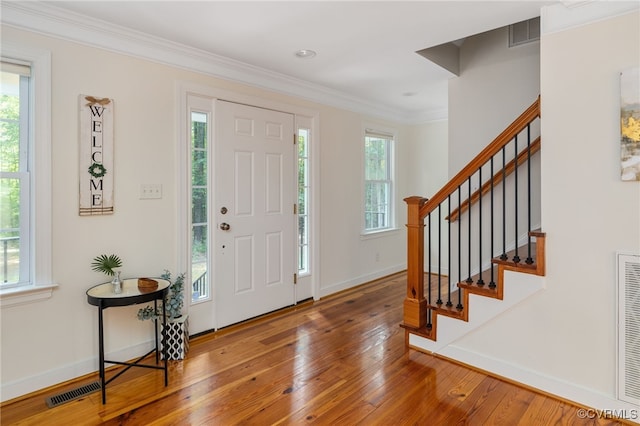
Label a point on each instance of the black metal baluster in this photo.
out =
(516, 258)
(429, 257)
(492, 283)
(459, 248)
(480, 281)
(529, 260)
(449, 303)
(429, 311)
(469, 280)
(439, 301)
(504, 256)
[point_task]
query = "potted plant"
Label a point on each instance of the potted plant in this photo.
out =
(107, 265)
(176, 333)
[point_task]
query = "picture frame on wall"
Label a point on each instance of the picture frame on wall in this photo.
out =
(630, 125)
(96, 155)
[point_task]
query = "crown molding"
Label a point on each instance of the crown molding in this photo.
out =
(572, 14)
(51, 21)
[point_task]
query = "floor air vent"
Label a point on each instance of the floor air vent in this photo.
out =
(629, 328)
(73, 394)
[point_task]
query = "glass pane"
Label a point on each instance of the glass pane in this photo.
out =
(302, 143)
(376, 205)
(303, 198)
(199, 167)
(199, 130)
(303, 262)
(199, 206)
(302, 172)
(200, 285)
(376, 158)
(302, 229)
(10, 231)
(9, 122)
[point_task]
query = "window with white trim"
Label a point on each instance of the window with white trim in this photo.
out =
(15, 182)
(25, 175)
(378, 181)
(304, 139)
(200, 196)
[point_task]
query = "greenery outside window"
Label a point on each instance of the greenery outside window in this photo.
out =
(200, 129)
(15, 184)
(378, 181)
(25, 175)
(303, 200)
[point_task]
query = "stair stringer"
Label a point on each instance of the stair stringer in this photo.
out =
(518, 287)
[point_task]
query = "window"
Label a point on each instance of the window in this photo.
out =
(378, 181)
(303, 200)
(25, 175)
(200, 124)
(15, 184)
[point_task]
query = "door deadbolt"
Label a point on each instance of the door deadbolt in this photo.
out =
(223, 210)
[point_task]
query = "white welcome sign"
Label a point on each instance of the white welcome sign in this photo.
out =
(96, 155)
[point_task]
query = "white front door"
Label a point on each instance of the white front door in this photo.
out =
(255, 241)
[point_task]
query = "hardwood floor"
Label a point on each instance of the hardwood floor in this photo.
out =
(339, 361)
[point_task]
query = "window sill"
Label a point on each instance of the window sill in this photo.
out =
(379, 234)
(27, 294)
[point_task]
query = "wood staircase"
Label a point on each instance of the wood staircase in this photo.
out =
(536, 267)
(423, 306)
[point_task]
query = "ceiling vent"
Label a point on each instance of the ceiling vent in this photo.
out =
(524, 32)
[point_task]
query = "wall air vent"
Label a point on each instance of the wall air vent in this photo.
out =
(524, 32)
(628, 364)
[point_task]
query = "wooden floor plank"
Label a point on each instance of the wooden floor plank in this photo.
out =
(339, 361)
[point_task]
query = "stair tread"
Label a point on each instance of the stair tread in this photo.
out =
(450, 311)
(484, 283)
(523, 253)
(484, 290)
(426, 332)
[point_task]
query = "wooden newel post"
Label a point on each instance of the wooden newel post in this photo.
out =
(415, 304)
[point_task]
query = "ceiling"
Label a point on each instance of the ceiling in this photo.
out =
(366, 51)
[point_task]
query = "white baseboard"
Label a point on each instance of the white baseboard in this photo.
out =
(68, 372)
(588, 398)
(345, 285)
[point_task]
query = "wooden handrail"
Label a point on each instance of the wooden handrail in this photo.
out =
(497, 178)
(485, 155)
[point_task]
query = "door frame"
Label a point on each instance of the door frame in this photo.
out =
(182, 246)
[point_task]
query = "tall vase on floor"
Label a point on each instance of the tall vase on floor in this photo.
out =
(175, 335)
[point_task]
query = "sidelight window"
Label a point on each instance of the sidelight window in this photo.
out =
(200, 192)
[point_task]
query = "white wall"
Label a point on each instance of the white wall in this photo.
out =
(427, 162)
(495, 85)
(51, 341)
(563, 339)
(427, 168)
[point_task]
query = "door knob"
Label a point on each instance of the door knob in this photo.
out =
(225, 226)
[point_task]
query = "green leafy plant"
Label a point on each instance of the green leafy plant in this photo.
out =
(172, 303)
(106, 264)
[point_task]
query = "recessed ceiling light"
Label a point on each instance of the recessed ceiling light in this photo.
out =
(305, 53)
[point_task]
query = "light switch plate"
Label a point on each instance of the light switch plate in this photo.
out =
(150, 191)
